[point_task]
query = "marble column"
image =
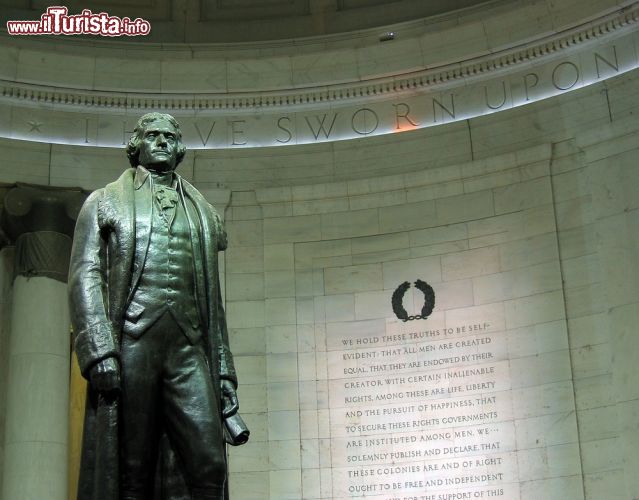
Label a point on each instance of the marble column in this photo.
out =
(6, 274)
(40, 222)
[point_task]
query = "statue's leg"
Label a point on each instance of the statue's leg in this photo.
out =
(193, 419)
(141, 364)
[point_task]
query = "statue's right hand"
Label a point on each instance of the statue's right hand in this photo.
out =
(105, 375)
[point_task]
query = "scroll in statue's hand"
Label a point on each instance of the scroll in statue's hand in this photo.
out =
(105, 375)
(229, 397)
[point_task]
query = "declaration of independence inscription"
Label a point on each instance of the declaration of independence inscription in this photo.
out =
(423, 413)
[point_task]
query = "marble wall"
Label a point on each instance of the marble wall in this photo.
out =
(525, 220)
(448, 37)
(310, 280)
(596, 195)
(307, 256)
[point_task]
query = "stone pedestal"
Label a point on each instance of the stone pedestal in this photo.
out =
(40, 222)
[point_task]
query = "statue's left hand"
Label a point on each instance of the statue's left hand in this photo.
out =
(229, 396)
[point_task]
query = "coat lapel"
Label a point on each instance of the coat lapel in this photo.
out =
(208, 266)
(143, 216)
(119, 211)
(209, 245)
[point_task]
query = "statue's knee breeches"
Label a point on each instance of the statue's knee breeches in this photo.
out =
(167, 389)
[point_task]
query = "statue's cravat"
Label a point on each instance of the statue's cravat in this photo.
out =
(167, 200)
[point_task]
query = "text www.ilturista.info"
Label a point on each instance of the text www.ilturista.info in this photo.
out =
(57, 21)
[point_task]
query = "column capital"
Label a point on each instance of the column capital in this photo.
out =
(40, 221)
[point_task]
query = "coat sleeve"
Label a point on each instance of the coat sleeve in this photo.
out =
(94, 339)
(227, 368)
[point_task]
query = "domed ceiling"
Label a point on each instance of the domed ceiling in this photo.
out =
(200, 21)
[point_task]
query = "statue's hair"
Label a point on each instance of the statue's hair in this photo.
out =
(133, 147)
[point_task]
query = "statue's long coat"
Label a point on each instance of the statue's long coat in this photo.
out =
(100, 276)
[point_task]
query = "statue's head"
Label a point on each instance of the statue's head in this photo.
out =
(156, 143)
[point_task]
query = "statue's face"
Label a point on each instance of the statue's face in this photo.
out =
(159, 146)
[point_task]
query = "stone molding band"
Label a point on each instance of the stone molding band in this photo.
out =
(433, 79)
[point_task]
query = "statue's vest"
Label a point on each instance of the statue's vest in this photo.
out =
(167, 281)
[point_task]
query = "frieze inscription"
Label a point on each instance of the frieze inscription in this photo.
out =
(327, 120)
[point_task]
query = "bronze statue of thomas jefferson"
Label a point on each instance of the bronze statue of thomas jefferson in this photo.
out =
(151, 335)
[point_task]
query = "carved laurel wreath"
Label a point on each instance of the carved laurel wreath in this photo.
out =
(398, 298)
